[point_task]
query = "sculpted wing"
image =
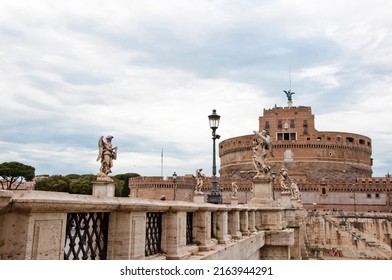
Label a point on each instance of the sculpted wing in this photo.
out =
(100, 148)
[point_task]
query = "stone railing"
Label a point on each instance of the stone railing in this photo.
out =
(46, 225)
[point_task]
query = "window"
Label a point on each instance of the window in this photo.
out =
(305, 123)
(349, 140)
(292, 124)
(323, 191)
(369, 195)
(305, 131)
(286, 136)
(280, 124)
(377, 195)
(267, 125)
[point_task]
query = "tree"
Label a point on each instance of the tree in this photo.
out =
(55, 183)
(15, 173)
(126, 190)
(82, 185)
(124, 176)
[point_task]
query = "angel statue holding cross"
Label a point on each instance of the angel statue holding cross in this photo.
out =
(106, 154)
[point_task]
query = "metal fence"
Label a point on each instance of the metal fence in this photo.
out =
(153, 233)
(86, 236)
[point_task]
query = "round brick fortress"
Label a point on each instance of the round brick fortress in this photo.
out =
(306, 152)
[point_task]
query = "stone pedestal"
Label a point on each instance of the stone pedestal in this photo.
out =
(104, 188)
(296, 203)
(262, 191)
(286, 199)
(234, 201)
(198, 197)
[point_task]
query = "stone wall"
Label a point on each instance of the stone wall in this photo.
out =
(349, 235)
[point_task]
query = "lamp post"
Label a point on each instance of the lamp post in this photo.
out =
(273, 175)
(174, 185)
(214, 196)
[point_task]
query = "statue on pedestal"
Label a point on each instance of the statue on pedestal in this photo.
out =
(262, 150)
(199, 181)
(289, 95)
(234, 190)
(106, 154)
(288, 185)
(284, 180)
(295, 193)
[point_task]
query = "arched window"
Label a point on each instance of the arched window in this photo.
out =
(349, 140)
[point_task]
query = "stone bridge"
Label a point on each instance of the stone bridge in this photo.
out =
(57, 226)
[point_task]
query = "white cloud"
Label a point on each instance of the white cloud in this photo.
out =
(150, 75)
(326, 75)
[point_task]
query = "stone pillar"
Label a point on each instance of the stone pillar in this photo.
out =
(176, 235)
(127, 235)
(262, 191)
(258, 224)
(234, 224)
(222, 227)
(104, 188)
(202, 230)
(244, 223)
(252, 221)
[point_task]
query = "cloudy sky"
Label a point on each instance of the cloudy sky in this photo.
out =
(150, 72)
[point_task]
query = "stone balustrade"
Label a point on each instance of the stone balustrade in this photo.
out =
(33, 225)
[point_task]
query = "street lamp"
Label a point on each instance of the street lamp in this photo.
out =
(214, 196)
(273, 175)
(174, 185)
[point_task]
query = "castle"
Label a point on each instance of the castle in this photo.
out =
(332, 169)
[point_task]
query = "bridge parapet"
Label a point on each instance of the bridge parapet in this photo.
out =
(52, 225)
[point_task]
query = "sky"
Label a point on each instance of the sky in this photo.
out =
(150, 72)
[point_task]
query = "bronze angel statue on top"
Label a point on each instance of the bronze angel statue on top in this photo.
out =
(106, 153)
(289, 95)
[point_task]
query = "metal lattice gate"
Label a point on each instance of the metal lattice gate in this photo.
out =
(153, 233)
(189, 228)
(86, 236)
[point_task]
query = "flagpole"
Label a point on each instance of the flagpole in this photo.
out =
(162, 162)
